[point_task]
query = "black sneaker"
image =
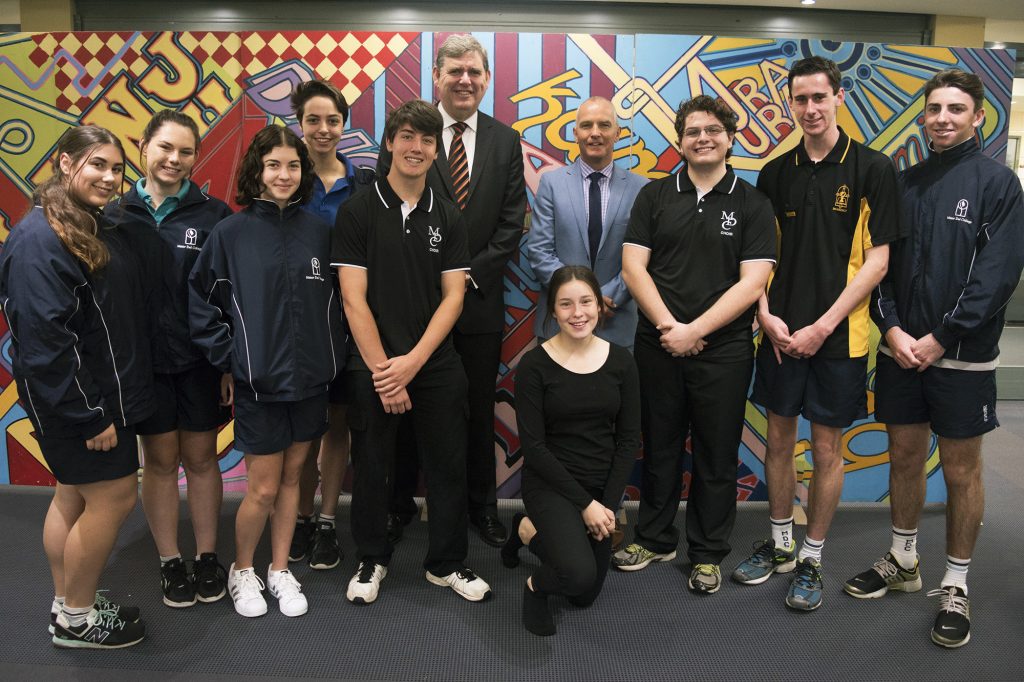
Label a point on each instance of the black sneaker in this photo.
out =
(952, 627)
(209, 579)
(128, 613)
(396, 526)
(178, 590)
(887, 574)
(101, 630)
(326, 552)
(302, 540)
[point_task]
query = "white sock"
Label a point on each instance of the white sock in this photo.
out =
(904, 547)
(58, 602)
(811, 549)
(74, 617)
(956, 572)
(327, 518)
(165, 559)
(782, 533)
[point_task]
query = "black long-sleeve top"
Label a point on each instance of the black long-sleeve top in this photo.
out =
(578, 432)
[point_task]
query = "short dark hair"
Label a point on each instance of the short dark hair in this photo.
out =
(808, 66)
(710, 105)
(569, 273)
(961, 80)
(419, 115)
(250, 175)
(165, 116)
(307, 90)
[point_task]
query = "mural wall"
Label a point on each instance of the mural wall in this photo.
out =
(235, 83)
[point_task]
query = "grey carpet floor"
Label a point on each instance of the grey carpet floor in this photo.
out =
(645, 625)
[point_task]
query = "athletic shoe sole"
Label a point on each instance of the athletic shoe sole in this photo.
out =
(948, 644)
(323, 566)
(912, 586)
(210, 600)
(62, 643)
(441, 582)
(180, 604)
(787, 567)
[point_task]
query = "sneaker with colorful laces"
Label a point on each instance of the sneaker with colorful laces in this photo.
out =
(636, 557)
(952, 626)
(760, 565)
(126, 613)
(705, 579)
(885, 575)
(806, 588)
(101, 630)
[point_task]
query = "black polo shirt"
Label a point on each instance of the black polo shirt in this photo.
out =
(829, 214)
(404, 259)
(697, 246)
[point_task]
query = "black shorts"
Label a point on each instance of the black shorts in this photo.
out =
(266, 428)
(74, 464)
(337, 391)
(188, 400)
(827, 391)
(957, 403)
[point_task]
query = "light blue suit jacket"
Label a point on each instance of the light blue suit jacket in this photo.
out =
(558, 236)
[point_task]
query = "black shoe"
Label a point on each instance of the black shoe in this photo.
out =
(209, 578)
(395, 528)
(302, 540)
(510, 550)
(952, 627)
(325, 553)
(178, 590)
(102, 630)
(491, 530)
(128, 613)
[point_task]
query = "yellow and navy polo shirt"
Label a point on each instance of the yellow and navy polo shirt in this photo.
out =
(697, 245)
(829, 214)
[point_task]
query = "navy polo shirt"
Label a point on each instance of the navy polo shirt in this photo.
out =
(697, 246)
(326, 202)
(404, 258)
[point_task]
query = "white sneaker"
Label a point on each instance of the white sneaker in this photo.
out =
(246, 590)
(287, 591)
(365, 584)
(466, 584)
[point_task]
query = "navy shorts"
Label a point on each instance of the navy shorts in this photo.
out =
(827, 391)
(266, 428)
(188, 400)
(957, 403)
(74, 464)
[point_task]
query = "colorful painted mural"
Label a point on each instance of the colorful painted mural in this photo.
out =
(235, 83)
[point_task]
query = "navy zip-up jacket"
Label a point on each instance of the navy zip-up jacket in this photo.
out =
(80, 349)
(957, 268)
(263, 302)
(181, 234)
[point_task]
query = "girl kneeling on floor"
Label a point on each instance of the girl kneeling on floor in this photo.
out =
(263, 307)
(74, 294)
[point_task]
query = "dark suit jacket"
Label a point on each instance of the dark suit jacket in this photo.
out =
(494, 216)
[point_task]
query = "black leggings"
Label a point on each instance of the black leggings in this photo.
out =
(574, 564)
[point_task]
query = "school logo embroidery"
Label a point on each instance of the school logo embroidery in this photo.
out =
(728, 222)
(842, 204)
(191, 239)
(435, 238)
(314, 264)
(960, 213)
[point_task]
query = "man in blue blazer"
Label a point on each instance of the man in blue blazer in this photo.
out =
(576, 222)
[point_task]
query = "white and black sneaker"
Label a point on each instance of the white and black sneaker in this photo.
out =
(101, 630)
(365, 584)
(952, 626)
(246, 590)
(466, 584)
(128, 613)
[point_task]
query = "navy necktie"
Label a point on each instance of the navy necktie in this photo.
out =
(594, 222)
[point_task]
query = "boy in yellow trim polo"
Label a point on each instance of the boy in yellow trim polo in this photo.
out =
(835, 202)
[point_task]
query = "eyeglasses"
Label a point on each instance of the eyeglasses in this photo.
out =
(710, 131)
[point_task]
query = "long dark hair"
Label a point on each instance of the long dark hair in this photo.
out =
(568, 273)
(250, 175)
(74, 222)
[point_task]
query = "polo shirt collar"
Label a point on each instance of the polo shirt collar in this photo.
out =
(388, 197)
(724, 186)
(837, 155)
(470, 122)
(140, 189)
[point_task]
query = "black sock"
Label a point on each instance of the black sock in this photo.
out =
(510, 550)
(536, 615)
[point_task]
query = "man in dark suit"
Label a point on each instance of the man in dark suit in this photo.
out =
(578, 222)
(479, 168)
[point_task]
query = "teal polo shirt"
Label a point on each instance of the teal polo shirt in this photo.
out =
(167, 206)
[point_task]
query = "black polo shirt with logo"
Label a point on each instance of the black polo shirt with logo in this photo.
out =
(830, 213)
(697, 246)
(404, 259)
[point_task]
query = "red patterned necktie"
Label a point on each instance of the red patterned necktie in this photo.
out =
(459, 165)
